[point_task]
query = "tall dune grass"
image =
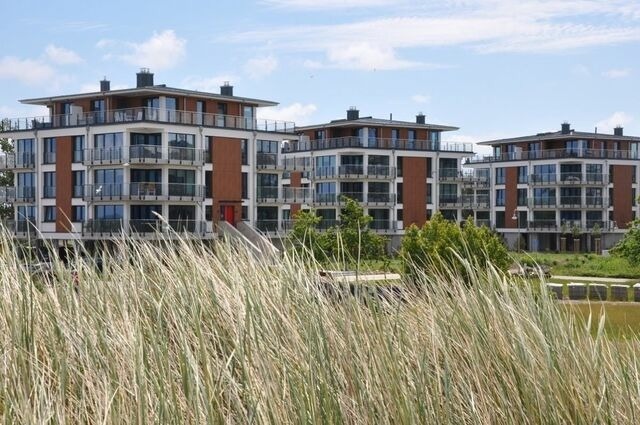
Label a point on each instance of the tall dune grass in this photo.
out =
(179, 334)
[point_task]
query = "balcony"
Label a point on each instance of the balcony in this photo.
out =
(297, 195)
(539, 203)
(132, 115)
(297, 164)
(101, 156)
(21, 228)
(145, 154)
(10, 194)
(556, 154)
(543, 225)
(144, 191)
(268, 194)
(353, 171)
(117, 227)
(570, 202)
(16, 161)
(267, 161)
(376, 143)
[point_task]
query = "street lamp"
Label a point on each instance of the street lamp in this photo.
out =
(516, 217)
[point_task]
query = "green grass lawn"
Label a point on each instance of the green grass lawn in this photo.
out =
(582, 264)
(622, 319)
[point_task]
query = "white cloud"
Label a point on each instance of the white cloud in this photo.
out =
(161, 51)
(23, 111)
(105, 42)
(485, 26)
(208, 84)
(62, 56)
(617, 73)
(328, 4)
(297, 112)
(260, 67)
(581, 70)
(27, 71)
(616, 119)
(420, 98)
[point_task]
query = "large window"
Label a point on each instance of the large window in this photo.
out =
(77, 178)
(325, 165)
(49, 150)
(25, 150)
(49, 184)
(544, 197)
(180, 140)
(267, 146)
(78, 148)
(594, 196)
(570, 196)
(108, 182)
(107, 140)
(449, 193)
(267, 186)
(500, 176)
(182, 182)
(594, 173)
(500, 198)
(154, 139)
(373, 137)
(98, 110)
(523, 174)
(77, 213)
(576, 147)
(326, 192)
(522, 197)
(108, 212)
(49, 214)
(544, 173)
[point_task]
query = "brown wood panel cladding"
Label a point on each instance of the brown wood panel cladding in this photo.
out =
(414, 190)
(64, 158)
(510, 196)
(622, 196)
(227, 175)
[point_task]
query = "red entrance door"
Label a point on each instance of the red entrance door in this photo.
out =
(227, 212)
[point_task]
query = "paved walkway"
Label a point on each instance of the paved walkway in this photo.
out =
(593, 279)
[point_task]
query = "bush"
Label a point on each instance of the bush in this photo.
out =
(629, 246)
(441, 245)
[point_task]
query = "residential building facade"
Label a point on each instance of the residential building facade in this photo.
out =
(399, 171)
(114, 161)
(553, 189)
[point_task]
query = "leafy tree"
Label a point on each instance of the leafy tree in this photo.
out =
(629, 245)
(351, 239)
(441, 245)
(6, 177)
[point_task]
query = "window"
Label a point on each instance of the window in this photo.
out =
(373, 137)
(325, 165)
(77, 213)
(267, 186)
(399, 166)
(200, 111)
(500, 219)
(570, 196)
(411, 135)
(378, 192)
(145, 212)
(429, 192)
(319, 135)
(500, 198)
(108, 182)
(395, 135)
(399, 192)
(208, 188)
(594, 196)
(182, 182)
(267, 146)
(154, 139)
(49, 184)
(449, 193)
(594, 173)
(434, 137)
(26, 212)
(207, 213)
(49, 214)
(575, 147)
(544, 197)
(107, 141)
(245, 185)
(400, 214)
(244, 213)
(534, 150)
(244, 151)
(352, 190)
(544, 173)
(325, 192)
(500, 178)
(108, 212)
(180, 140)
(523, 174)
(49, 150)
(522, 197)
(78, 148)
(171, 104)
(25, 149)
(97, 108)
(77, 183)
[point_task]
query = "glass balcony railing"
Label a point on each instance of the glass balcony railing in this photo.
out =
(150, 191)
(556, 154)
(20, 160)
(145, 114)
(376, 143)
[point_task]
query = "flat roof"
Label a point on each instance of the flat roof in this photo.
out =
(558, 135)
(149, 90)
(379, 122)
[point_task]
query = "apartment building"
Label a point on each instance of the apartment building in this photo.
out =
(108, 162)
(547, 186)
(399, 171)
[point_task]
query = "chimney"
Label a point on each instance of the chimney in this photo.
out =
(105, 85)
(566, 128)
(226, 89)
(420, 118)
(618, 131)
(144, 78)
(353, 113)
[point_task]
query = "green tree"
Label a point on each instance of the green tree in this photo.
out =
(441, 245)
(629, 245)
(351, 240)
(6, 177)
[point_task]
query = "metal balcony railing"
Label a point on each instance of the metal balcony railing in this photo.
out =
(142, 226)
(376, 143)
(143, 114)
(10, 194)
(144, 191)
(297, 194)
(14, 161)
(557, 154)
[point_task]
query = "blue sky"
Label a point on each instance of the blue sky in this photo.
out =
(495, 68)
